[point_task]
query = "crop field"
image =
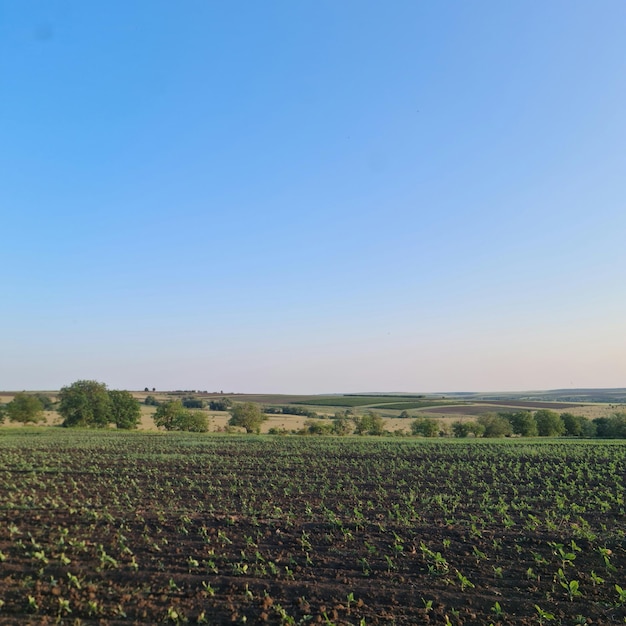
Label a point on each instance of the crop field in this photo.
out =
(105, 527)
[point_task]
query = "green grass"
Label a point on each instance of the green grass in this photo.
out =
(352, 401)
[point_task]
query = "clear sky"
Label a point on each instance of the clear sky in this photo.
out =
(313, 196)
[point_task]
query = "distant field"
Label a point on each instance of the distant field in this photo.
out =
(405, 406)
(530, 404)
(352, 401)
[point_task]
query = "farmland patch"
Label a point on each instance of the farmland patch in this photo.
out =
(151, 528)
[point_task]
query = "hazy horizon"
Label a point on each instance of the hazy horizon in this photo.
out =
(313, 197)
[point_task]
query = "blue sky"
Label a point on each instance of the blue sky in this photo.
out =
(315, 196)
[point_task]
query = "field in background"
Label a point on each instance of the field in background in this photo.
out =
(445, 408)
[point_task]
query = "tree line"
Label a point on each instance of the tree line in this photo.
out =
(89, 403)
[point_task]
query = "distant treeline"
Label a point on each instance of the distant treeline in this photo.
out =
(541, 423)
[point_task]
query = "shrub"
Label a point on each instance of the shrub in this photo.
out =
(369, 424)
(193, 403)
(220, 405)
(315, 427)
(342, 426)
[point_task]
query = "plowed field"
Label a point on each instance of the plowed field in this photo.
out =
(146, 528)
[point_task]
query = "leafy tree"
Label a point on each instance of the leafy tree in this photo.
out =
(193, 403)
(151, 401)
(613, 427)
(167, 414)
(2, 413)
(573, 424)
(369, 424)
(495, 425)
(85, 403)
(172, 415)
(467, 427)
(618, 425)
(588, 428)
(425, 427)
(404, 415)
(192, 421)
(549, 423)
(247, 415)
(46, 401)
(125, 409)
(224, 404)
(522, 422)
(25, 408)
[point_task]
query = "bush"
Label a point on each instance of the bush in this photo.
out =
(342, 426)
(220, 405)
(315, 427)
(193, 403)
(151, 401)
(369, 424)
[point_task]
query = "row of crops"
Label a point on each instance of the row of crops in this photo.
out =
(177, 528)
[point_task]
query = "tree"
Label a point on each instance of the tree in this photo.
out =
(425, 427)
(369, 424)
(193, 403)
(151, 401)
(573, 424)
(495, 426)
(522, 422)
(549, 423)
(192, 421)
(221, 405)
(85, 403)
(168, 413)
(46, 401)
(25, 408)
(125, 410)
(172, 415)
(247, 415)
(467, 427)
(613, 427)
